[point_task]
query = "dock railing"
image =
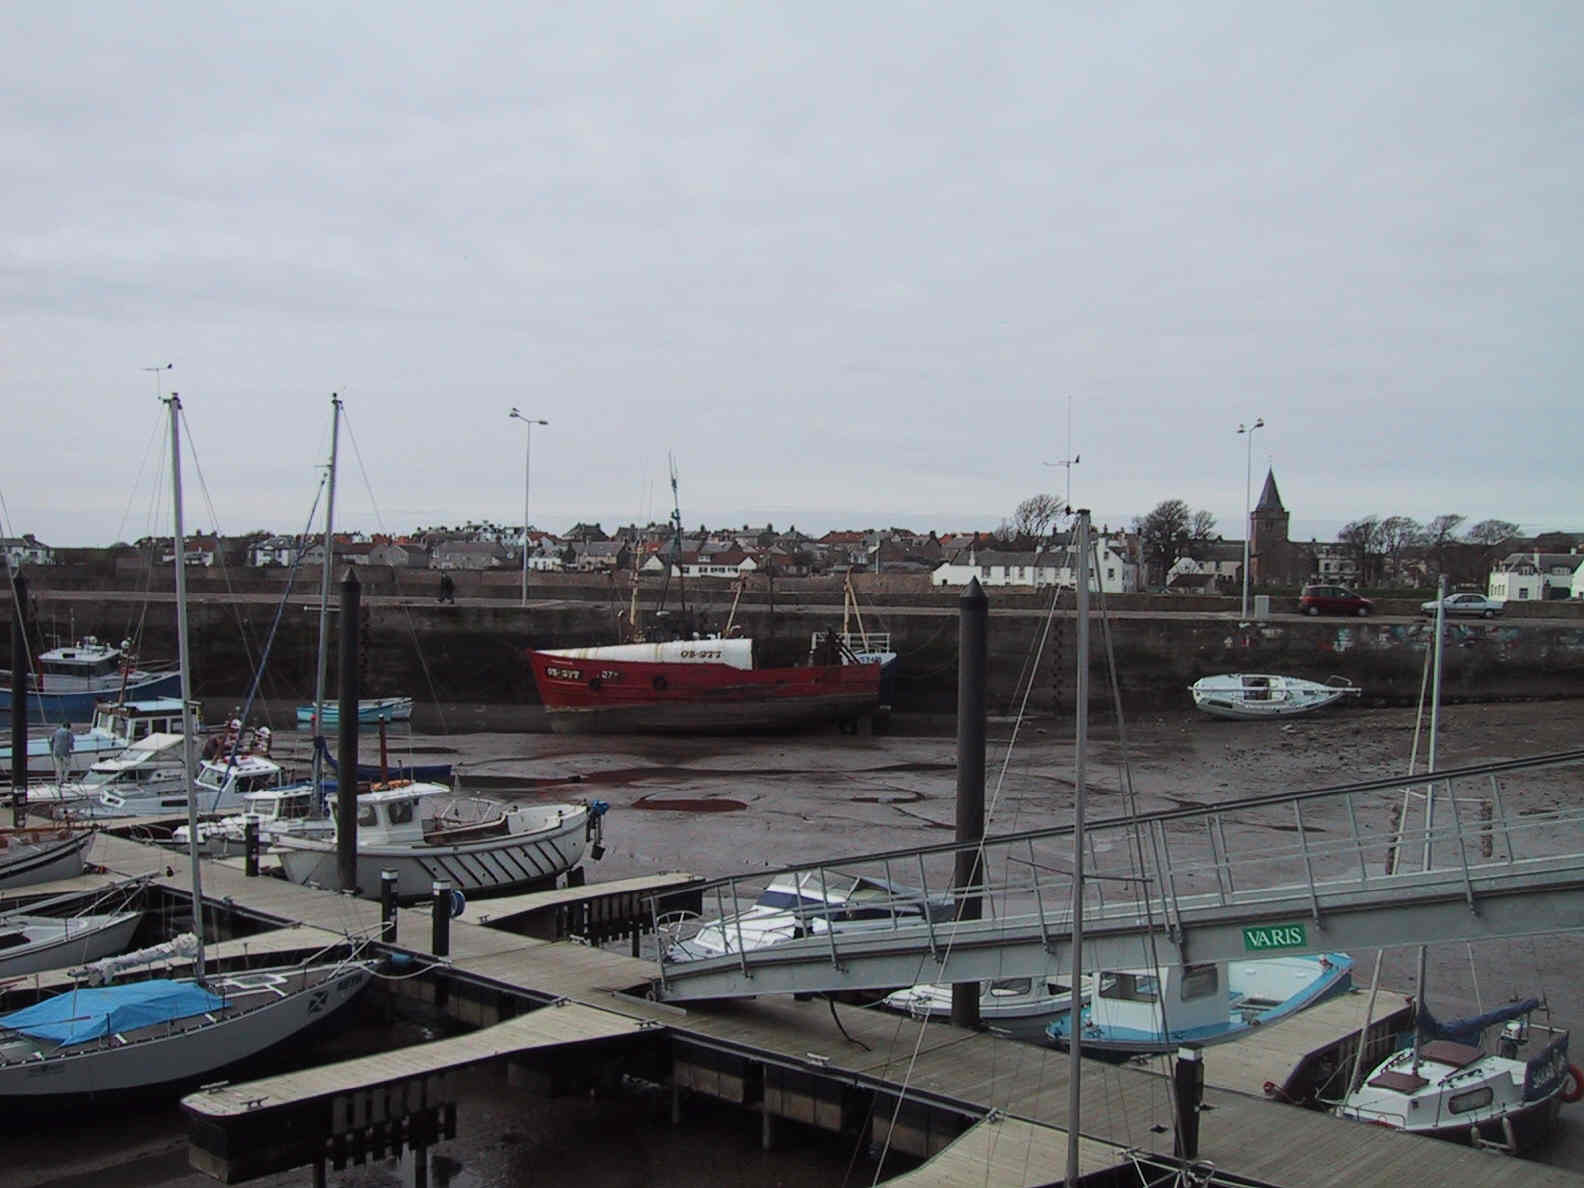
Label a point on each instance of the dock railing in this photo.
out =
(1279, 874)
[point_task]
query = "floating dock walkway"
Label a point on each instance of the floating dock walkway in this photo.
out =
(562, 1014)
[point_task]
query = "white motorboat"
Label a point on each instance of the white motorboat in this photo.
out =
(426, 833)
(148, 771)
(115, 726)
(142, 1035)
(1251, 696)
(807, 903)
(220, 787)
(1140, 1011)
(288, 809)
(1020, 1007)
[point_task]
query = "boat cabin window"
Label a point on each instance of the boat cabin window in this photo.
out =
(254, 783)
(140, 729)
(366, 815)
(1200, 981)
(401, 812)
(1006, 987)
(1129, 987)
(1474, 1099)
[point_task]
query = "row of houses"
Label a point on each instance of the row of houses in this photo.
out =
(949, 560)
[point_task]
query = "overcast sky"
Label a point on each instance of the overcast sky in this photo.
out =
(847, 262)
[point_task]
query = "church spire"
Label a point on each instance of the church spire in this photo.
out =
(1270, 497)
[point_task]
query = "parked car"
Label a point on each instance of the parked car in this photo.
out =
(1466, 604)
(1333, 600)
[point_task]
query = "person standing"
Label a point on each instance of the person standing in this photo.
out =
(62, 743)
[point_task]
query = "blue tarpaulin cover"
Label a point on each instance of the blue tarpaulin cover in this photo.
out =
(85, 1014)
(1471, 1030)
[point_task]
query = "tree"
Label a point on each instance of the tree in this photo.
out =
(1036, 514)
(1165, 535)
(1398, 534)
(1439, 534)
(1363, 538)
(1492, 532)
(1494, 538)
(1200, 530)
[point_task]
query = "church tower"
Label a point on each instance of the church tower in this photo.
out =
(1270, 554)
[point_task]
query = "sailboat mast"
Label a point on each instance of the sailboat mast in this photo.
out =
(189, 727)
(324, 603)
(1080, 745)
(1430, 766)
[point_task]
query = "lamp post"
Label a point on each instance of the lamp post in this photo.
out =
(530, 422)
(1248, 524)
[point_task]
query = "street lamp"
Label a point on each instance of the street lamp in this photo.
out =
(530, 422)
(1248, 523)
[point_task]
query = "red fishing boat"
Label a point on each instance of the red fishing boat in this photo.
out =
(703, 685)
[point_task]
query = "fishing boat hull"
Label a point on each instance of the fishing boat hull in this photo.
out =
(54, 706)
(585, 693)
(1252, 697)
(32, 856)
(50, 942)
(370, 712)
(184, 1051)
(489, 866)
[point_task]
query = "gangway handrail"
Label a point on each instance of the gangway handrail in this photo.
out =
(1163, 816)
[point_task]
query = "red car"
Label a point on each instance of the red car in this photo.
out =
(1333, 600)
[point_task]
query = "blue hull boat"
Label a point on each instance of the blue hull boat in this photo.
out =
(371, 712)
(1209, 1003)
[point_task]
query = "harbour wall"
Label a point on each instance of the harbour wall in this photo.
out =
(471, 652)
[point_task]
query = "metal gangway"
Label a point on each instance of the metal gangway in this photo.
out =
(1279, 874)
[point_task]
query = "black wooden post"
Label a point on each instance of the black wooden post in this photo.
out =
(388, 880)
(250, 848)
(1188, 1079)
(347, 782)
(972, 649)
(441, 939)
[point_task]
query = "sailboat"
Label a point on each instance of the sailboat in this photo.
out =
(320, 714)
(166, 1031)
(1446, 1084)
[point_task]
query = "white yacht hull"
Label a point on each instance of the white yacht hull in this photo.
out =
(56, 942)
(187, 1049)
(489, 866)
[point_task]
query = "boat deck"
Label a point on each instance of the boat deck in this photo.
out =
(1242, 1132)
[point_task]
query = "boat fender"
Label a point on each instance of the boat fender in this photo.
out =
(1573, 1087)
(458, 903)
(659, 682)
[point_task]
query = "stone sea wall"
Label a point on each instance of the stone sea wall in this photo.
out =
(471, 652)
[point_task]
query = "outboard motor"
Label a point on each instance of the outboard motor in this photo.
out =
(1513, 1036)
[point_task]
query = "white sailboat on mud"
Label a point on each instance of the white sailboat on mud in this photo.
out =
(166, 1031)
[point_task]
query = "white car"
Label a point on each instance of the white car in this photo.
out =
(1465, 604)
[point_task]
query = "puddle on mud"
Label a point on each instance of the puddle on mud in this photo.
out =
(690, 805)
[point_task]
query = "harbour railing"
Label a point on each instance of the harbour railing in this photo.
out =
(1354, 865)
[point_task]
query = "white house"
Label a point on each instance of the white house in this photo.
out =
(24, 550)
(1221, 567)
(1118, 572)
(1532, 577)
(274, 550)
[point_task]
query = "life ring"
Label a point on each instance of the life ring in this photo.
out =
(1573, 1085)
(659, 683)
